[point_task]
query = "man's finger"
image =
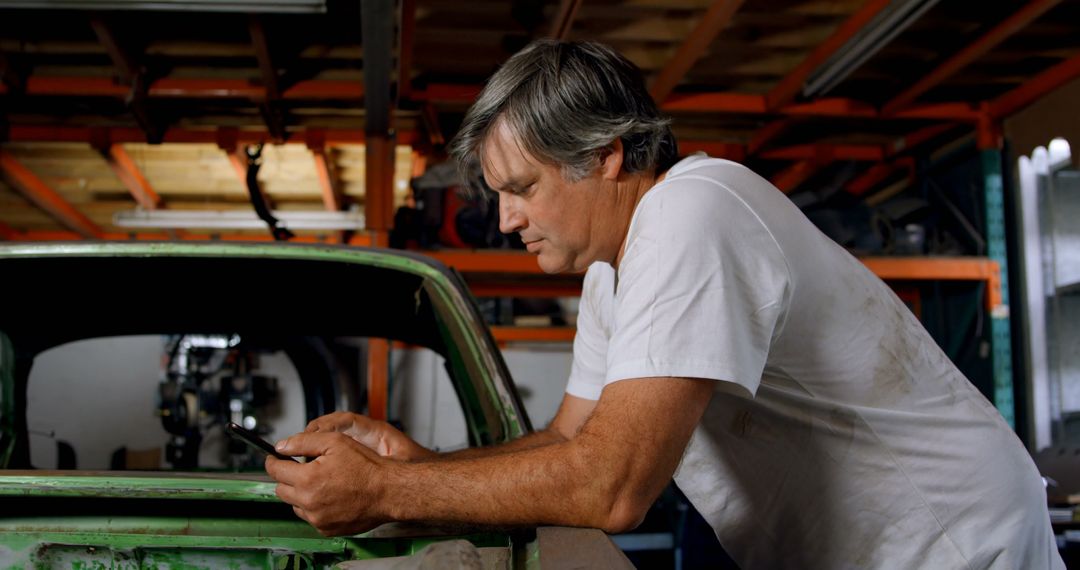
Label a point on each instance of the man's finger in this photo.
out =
(283, 470)
(288, 493)
(311, 444)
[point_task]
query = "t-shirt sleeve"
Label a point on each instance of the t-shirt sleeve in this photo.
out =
(702, 289)
(587, 371)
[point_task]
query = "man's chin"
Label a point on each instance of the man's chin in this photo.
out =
(551, 265)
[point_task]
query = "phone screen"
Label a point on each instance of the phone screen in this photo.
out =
(249, 437)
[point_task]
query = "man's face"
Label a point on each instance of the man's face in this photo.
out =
(562, 222)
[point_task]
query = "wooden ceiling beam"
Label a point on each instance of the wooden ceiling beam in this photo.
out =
(45, 198)
(715, 19)
(564, 19)
(785, 91)
(999, 33)
(37, 133)
(315, 89)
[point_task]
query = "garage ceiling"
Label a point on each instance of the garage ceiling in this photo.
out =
(105, 110)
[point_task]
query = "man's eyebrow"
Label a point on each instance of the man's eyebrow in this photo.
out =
(511, 184)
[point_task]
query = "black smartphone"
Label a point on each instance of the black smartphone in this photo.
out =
(249, 437)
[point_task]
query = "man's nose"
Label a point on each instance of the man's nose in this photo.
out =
(510, 217)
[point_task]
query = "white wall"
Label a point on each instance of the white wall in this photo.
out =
(101, 394)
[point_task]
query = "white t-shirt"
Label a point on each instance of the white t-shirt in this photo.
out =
(840, 435)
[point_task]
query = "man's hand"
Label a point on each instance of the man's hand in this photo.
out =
(337, 491)
(376, 435)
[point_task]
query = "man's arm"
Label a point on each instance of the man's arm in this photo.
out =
(605, 476)
(387, 441)
(572, 413)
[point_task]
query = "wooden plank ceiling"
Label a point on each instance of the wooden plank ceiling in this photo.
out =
(103, 111)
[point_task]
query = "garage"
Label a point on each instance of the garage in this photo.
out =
(574, 283)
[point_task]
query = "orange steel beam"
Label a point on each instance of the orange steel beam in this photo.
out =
(831, 107)
(406, 41)
(728, 150)
(716, 18)
(1036, 87)
(262, 54)
(564, 19)
(419, 164)
(785, 91)
(481, 261)
(525, 290)
(331, 195)
(876, 174)
(825, 152)
(128, 173)
(379, 185)
(123, 61)
(718, 102)
(28, 133)
(970, 53)
(193, 88)
(941, 268)
(355, 240)
(448, 93)
(9, 233)
(766, 134)
(791, 177)
(430, 116)
(917, 138)
(45, 198)
(533, 334)
(378, 373)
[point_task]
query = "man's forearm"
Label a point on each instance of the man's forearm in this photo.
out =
(549, 483)
(530, 441)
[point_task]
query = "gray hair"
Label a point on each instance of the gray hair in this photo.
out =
(566, 102)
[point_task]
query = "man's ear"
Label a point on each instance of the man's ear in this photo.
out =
(611, 160)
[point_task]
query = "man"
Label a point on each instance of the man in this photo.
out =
(721, 339)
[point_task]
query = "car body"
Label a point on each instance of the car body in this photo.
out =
(57, 293)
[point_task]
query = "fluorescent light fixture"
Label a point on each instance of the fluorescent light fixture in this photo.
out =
(246, 6)
(237, 219)
(877, 34)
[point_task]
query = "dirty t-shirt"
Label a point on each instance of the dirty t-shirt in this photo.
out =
(839, 435)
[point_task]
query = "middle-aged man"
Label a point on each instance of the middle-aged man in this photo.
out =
(721, 339)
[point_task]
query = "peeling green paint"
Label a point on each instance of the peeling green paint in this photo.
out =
(74, 484)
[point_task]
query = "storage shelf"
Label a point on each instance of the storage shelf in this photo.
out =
(493, 263)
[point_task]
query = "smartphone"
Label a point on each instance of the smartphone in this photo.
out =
(247, 436)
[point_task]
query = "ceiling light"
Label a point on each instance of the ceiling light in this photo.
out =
(238, 219)
(877, 34)
(246, 6)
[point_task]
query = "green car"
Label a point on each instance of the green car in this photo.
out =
(210, 313)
